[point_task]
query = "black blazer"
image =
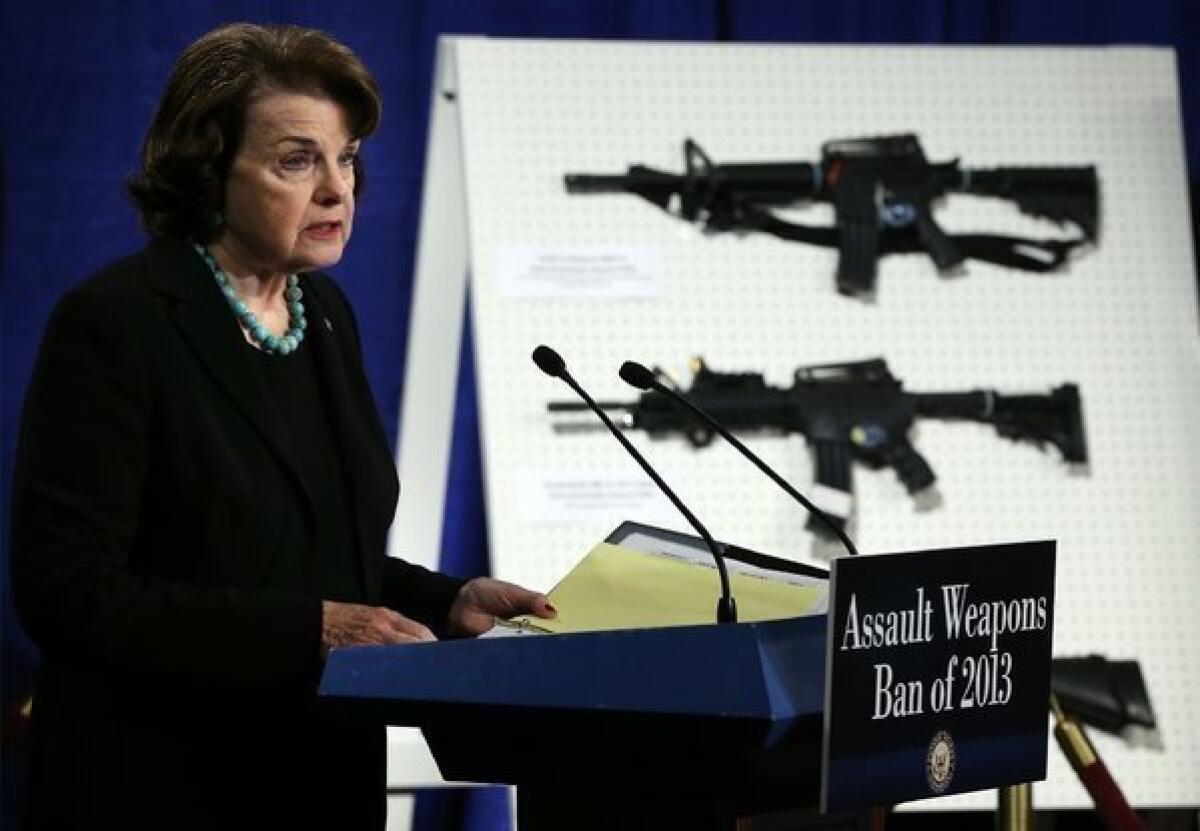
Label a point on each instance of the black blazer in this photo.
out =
(153, 487)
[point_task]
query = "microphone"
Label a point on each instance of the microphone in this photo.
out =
(638, 376)
(551, 363)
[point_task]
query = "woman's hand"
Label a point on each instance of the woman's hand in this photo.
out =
(349, 624)
(484, 599)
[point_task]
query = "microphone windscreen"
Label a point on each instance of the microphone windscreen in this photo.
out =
(636, 375)
(549, 361)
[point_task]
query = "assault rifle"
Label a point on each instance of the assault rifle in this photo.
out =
(882, 190)
(848, 411)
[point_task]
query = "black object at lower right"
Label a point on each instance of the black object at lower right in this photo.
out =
(1108, 695)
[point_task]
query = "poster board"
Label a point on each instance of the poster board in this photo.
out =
(511, 117)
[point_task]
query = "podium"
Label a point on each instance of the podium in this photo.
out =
(928, 675)
(678, 727)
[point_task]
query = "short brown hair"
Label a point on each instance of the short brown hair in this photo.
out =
(198, 127)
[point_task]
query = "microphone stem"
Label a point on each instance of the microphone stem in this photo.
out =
(726, 610)
(761, 465)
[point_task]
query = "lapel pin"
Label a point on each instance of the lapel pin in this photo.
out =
(328, 325)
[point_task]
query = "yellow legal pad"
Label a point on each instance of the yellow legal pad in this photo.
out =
(618, 588)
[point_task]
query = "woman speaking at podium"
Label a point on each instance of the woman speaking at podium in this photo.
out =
(203, 488)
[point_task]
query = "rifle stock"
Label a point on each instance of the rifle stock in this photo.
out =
(1061, 194)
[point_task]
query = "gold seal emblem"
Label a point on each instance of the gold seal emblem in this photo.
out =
(939, 762)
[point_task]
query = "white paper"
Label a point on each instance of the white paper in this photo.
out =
(583, 272)
(651, 544)
(591, 497)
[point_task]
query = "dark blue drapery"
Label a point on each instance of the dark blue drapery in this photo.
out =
(81, 81)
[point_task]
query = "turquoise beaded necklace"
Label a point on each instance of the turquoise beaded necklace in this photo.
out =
(258, 333)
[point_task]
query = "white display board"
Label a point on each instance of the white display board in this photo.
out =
(607, 278)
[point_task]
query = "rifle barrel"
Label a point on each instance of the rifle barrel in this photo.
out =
(596, 182)
(592, 426)
(579, 406)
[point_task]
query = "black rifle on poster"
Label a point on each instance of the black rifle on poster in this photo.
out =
(883, 190)
(848, 411)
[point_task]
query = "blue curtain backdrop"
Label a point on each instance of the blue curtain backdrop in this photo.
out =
(80, 82)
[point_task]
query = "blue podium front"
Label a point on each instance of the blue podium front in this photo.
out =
(719, 719)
